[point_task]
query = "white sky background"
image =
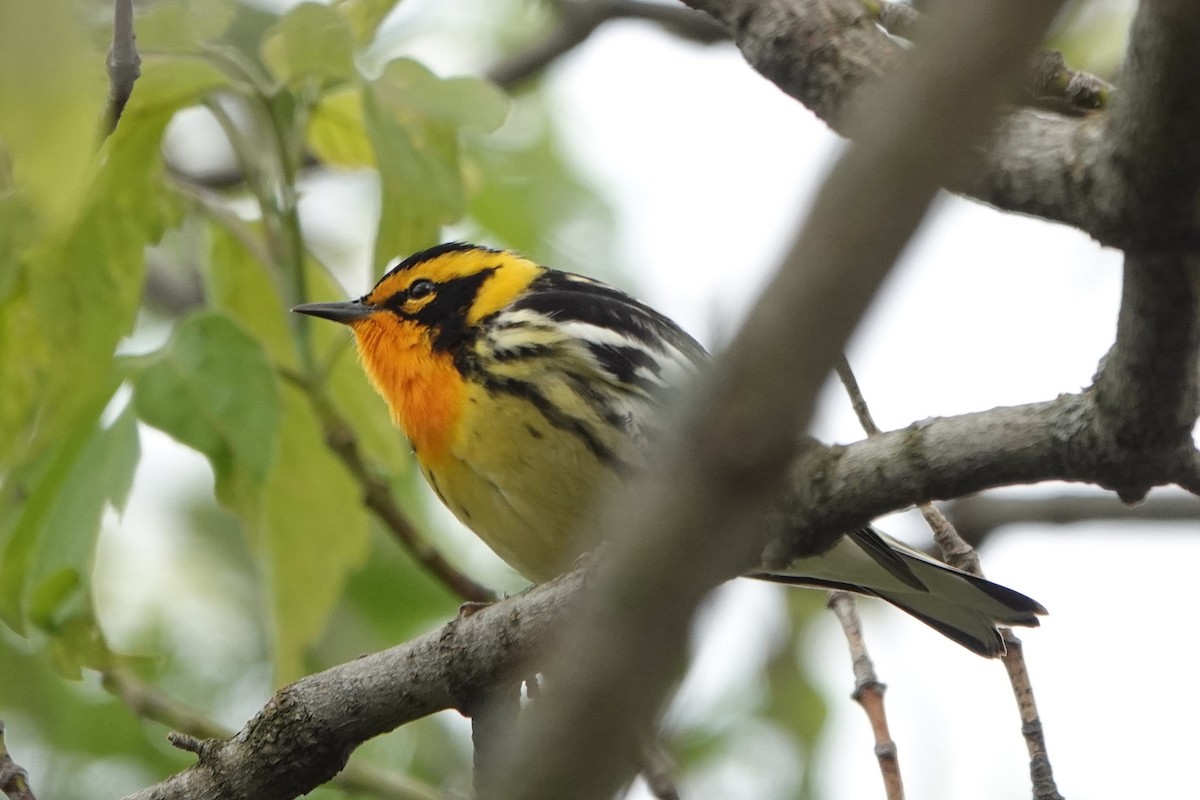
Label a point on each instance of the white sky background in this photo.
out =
(709, 167)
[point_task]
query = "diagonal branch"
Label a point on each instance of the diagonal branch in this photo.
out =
(579, 19)
(693, 522)
(304, 735)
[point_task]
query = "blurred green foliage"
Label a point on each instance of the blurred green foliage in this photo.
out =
(276, 569)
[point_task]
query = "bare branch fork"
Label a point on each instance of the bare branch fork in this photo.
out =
(960, 554)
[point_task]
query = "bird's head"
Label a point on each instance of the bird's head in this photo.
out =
(411, 327)
(435, 297)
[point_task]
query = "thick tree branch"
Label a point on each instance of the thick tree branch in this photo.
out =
(842, 487)
(822, 52)
(326, 715)
(189, 726)
(1148, 389)
(694, 523)
(304, 735)
(1151, 136)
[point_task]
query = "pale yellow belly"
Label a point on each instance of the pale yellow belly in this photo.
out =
(522, 485)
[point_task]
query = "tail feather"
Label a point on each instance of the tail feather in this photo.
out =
(961, 606)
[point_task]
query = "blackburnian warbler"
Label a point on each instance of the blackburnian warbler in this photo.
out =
(527, 392)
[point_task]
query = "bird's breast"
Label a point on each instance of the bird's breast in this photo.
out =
(424, 391)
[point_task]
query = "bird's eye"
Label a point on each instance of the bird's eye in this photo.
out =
(420, 288)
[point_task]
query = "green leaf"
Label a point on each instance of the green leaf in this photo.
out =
(168, 84)
(337, 132)
(313, 534)
(414, 120)
(312, 529)
(182, 27)
(527, 195)
(241, 286)
(411, 91)
(365, 16)
(59, 579)
(29, 496)
(212, 388)
(52, 96)
(77, 287)
(311, 41)
(18, 229)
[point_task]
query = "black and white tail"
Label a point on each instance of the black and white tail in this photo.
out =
(963, 607)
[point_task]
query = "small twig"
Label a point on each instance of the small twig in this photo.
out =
(1056, 86)
(191, 730)
(377, 496)
(868, 690)
(1052, 84)
(1040, 771)
(185, 742)
(846, 375)
(868, 693)
(957, 553)
(124, 63)
(658, 771)
(579, 19)
(14, 780)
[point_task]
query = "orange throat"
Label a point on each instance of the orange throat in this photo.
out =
(423, 389)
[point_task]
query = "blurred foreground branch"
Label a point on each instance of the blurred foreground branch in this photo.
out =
(697, 518)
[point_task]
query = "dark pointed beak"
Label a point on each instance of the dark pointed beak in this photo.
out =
(345, 312)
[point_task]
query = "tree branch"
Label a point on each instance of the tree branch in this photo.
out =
(822, 52)
(124, 63)
(959, 554)
(977, 517)
(868, 693)
(579, 19)
(304, 735)
(696, 520)
(1148, 389)
(698, 523)
(189, 729)
(378, 498)
(14, 780)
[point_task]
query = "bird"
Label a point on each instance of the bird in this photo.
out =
(527, 392)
